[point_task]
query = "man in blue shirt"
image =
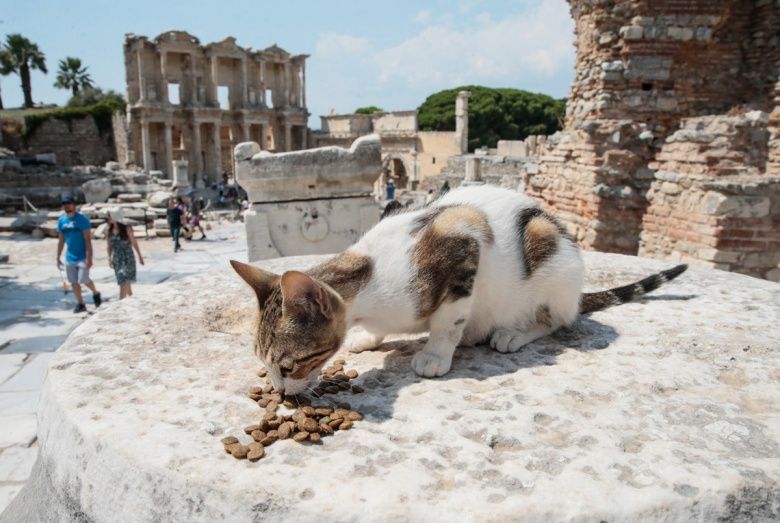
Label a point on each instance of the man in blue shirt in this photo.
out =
(73, 229)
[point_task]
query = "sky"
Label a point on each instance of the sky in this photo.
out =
(390, 54)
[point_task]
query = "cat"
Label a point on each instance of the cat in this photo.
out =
(480, 263)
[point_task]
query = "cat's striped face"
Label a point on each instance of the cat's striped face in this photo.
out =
(294, 340)
(302, 324)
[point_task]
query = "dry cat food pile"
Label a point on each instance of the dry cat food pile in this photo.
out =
(307, 423)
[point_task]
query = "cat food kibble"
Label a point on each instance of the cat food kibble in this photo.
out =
(239, 451)
(307, 423)
(256, 452)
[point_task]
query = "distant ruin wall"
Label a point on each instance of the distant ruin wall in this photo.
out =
(75, 141)
(710, 201)
(659, 116)
(672, 140)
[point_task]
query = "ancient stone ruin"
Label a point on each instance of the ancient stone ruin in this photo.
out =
(408, 154)
(316, 201)
(671, 146)
(196, 102)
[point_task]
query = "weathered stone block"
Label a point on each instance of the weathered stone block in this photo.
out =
(631, 32)
(325, 172)
(97, 190)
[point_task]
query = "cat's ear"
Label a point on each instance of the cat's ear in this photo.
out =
(262, 282)
(302, 295)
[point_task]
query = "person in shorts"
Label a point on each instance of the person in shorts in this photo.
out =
(73, 230)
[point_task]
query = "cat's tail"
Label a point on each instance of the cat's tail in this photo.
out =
(596, 301)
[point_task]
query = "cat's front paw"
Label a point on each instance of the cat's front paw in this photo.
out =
(508, 340)
(360, 340)
(430, 365)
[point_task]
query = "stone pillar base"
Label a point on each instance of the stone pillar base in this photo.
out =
(307, 227)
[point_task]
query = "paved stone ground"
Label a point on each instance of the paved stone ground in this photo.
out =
(36, 317)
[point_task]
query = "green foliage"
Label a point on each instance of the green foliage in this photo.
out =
(494, 114)
(71, 75)
(95, 95)
(19, 52)
(19, 55)
(101, 112)
(371, 109)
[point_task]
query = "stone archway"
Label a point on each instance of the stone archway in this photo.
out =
(395, 166)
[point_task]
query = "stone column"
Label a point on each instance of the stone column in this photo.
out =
(197, 148)
(262, 83)
(146, 146)
(141, 77)
(462, 120)
(168, 147)
(245, 130)
(244, 84)
(164, 79)
(213, 83)
(304, 136)
(194, 94)
(303, 85)
(262, 137)
(287, 137)
(217, 150)
(286, 80)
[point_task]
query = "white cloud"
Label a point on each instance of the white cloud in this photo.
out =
(531, 49)
(538, 41)
(422, 17)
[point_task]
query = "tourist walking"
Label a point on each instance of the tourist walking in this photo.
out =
(184, 208)
(390, 189)
(175, 217)
(120, 242)
(429, 197)
(73, 232)
(196, 206)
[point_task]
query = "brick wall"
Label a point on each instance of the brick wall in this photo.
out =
(75, 142)
(712, 200)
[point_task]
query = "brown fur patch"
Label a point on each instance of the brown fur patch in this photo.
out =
(540, 235)
(454, 220)
(347, 273)
(543, 316)
(446, 256)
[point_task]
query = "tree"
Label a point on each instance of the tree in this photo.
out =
(3, 72)
(94, 95)
(71, 75)
(494, 114)
(371, 109)
(19, 55)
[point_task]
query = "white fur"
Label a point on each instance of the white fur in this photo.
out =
(503, 303)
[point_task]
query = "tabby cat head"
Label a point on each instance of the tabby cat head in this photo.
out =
(302, 324)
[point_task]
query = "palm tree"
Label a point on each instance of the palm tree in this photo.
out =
(19, 55)
(72, 76)
(4, 70)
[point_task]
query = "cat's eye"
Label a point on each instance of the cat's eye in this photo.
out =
(285, 370)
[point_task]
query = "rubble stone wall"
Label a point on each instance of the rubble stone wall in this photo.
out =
(76, 141)
(674, 104)
(711, 199)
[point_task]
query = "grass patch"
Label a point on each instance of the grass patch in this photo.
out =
(21, 113)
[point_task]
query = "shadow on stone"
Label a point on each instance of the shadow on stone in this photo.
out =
(383, 385)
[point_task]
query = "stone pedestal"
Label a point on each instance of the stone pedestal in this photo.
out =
(658, 411)
(307, 227)
(315, 201)
(181, 178)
